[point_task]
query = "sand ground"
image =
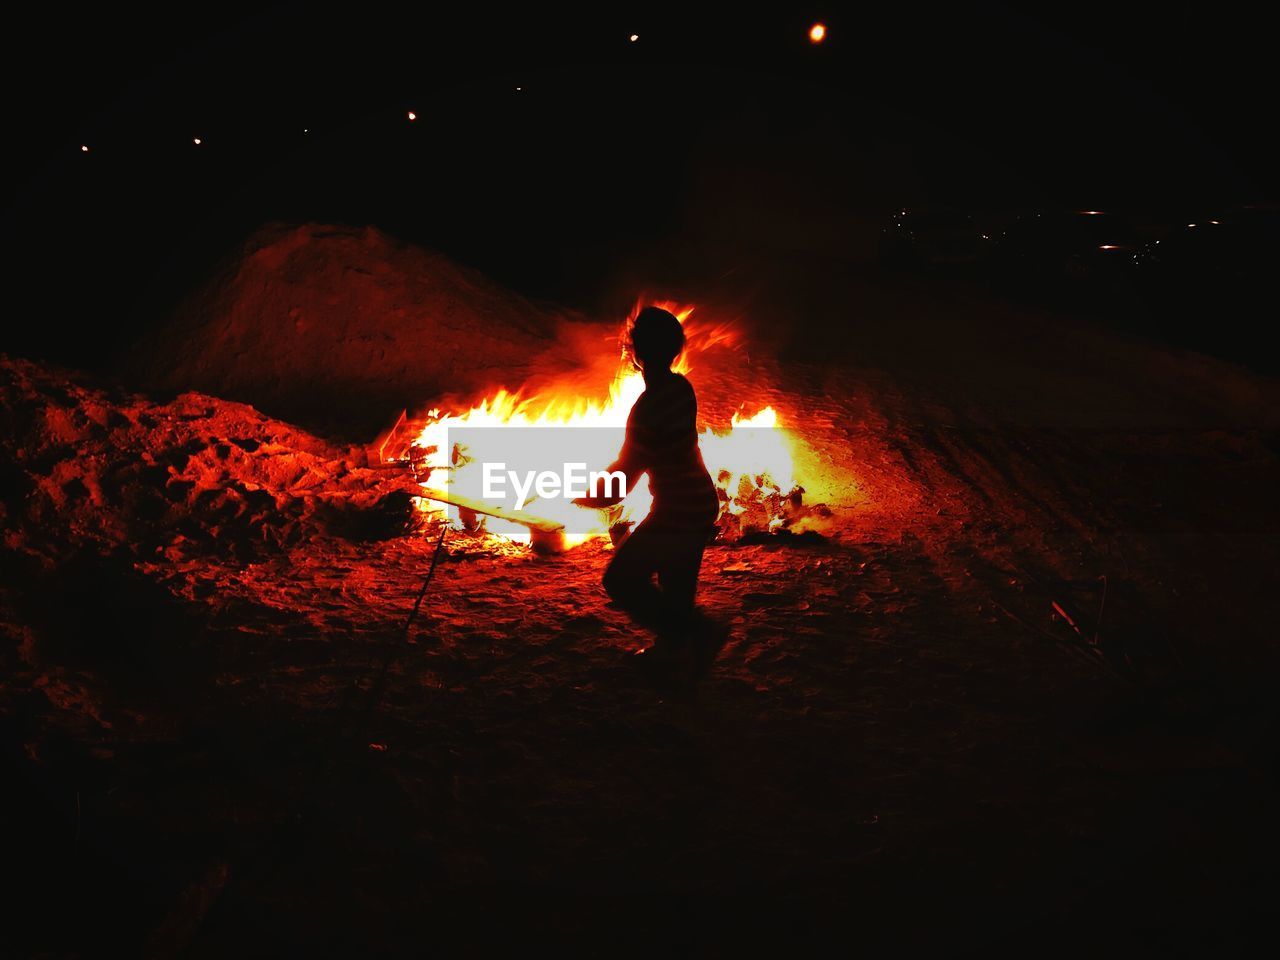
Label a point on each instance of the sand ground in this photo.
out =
(223, 740)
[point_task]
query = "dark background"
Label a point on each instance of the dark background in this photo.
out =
(719, 130)
(721, 140)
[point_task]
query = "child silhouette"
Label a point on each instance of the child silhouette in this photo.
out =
(662, 441)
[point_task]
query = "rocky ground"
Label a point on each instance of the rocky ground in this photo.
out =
(1021, 690)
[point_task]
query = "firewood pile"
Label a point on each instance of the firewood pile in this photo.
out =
(759, 507)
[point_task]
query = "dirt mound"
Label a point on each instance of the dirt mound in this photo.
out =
(335, 327)
(82, 468)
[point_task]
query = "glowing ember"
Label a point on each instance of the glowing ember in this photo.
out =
(817, 33)
(750, 458)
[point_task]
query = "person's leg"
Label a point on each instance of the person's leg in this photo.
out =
(629, 577)
(678, 571)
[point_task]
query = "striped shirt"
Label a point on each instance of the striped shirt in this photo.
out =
(662, 440)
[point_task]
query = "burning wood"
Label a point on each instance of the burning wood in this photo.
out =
(751, 460)
(759, 506)
(546, 536)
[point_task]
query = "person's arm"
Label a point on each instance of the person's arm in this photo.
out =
(632, 461)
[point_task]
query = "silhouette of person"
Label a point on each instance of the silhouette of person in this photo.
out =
(662, 441)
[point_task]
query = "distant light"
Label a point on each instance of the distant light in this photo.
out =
(196, 141)
(1214, 222)
(305, 130)
(635, 37)
(1108, 246)
(412, 115)
(83, 148)
(1091, 213)
(817, 33)
(518, 89)
(1190, 224)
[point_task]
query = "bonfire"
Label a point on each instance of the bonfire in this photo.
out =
(750, 457)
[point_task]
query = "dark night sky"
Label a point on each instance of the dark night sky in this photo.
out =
(609, 145)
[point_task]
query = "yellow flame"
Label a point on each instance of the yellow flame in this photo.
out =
(762, 451)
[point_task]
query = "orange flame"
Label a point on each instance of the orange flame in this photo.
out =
(760, 455)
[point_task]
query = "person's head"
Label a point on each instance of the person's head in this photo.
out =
(656, 338)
